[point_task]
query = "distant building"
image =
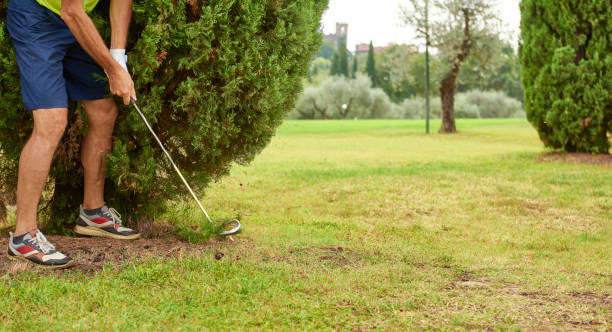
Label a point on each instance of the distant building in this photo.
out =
(341, 33)
(379, 49)
(362, 49)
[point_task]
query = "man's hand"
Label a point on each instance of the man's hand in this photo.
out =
(87, 35)
(118, 85)
(121, 84)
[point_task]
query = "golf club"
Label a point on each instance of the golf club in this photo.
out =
(231, 227)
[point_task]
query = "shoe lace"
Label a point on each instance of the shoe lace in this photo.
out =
(42, 242)
(115, 216)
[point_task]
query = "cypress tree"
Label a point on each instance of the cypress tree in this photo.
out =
(344, 58)
(215, 78)
(566, 58)
(371, 65)
(335, 65)
(355, 67)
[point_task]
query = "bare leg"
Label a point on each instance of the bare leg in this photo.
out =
(34, 164)
(96, 145)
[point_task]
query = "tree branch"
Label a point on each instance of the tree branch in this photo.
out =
(322, 111)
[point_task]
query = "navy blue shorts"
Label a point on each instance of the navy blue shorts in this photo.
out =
(53, 66)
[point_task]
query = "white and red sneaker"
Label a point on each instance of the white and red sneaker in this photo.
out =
(37, 250)
(104, 222)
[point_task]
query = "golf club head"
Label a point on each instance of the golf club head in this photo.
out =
(231, 227)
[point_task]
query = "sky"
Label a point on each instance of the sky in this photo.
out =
(379, 20)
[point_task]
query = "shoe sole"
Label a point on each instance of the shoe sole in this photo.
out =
(48, 267)
(93, 231)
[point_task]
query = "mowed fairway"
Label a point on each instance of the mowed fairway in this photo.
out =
(359, 225)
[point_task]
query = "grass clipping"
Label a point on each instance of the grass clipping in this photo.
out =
(202, 232)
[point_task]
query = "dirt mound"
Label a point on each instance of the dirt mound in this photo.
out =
(91, 254)
(577, 158)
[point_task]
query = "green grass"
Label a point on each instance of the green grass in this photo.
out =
(456, 232)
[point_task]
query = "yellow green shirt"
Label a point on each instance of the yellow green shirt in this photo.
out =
(56, 5)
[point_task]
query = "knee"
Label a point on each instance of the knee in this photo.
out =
(51, 129)
(103, 115)
(109, 113)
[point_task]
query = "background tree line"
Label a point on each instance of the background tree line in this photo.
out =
(565, 56)
(397, 82)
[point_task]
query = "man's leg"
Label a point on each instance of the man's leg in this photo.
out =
(27, 243)
(95, 218)
(96, 145)
(34, 164)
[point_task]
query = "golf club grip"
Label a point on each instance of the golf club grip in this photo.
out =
(161, 145)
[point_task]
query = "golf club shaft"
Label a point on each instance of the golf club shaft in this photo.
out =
(170, 158)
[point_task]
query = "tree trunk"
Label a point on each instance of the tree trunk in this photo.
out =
(447, 86)
(307, 115)
(347, 110)
(447, 94)
(322, 111)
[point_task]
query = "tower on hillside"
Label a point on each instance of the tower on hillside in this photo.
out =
(341, 30)
(341, 33)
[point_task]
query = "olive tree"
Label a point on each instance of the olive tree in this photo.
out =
(457, 29)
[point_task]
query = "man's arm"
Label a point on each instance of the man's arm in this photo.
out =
(87, 35)
(120, 17)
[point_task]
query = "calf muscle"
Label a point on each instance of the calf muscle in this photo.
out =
(96, 145)
(34, 164)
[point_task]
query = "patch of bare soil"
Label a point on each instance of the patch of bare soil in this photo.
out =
(541, 310)
(91, 254)
(467, 280)
(334, 256)
(568, 311)
(576, 158)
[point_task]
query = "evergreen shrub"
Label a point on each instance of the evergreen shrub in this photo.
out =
(566, 58)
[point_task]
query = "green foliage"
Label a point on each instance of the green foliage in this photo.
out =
(214, 78)
(487, 104)
(344, 58)
(340, 60)
(458, 29)
(319, 71)
(371, 65)
(500, 73)
(400, 72)
(335, 65)
(381, 105)
(471, 104)
(355, 68)
(319, 64)
(364, 102)
(414, 108)
(566, 57)
(327, 49)
(17, 124)
(339, 98)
